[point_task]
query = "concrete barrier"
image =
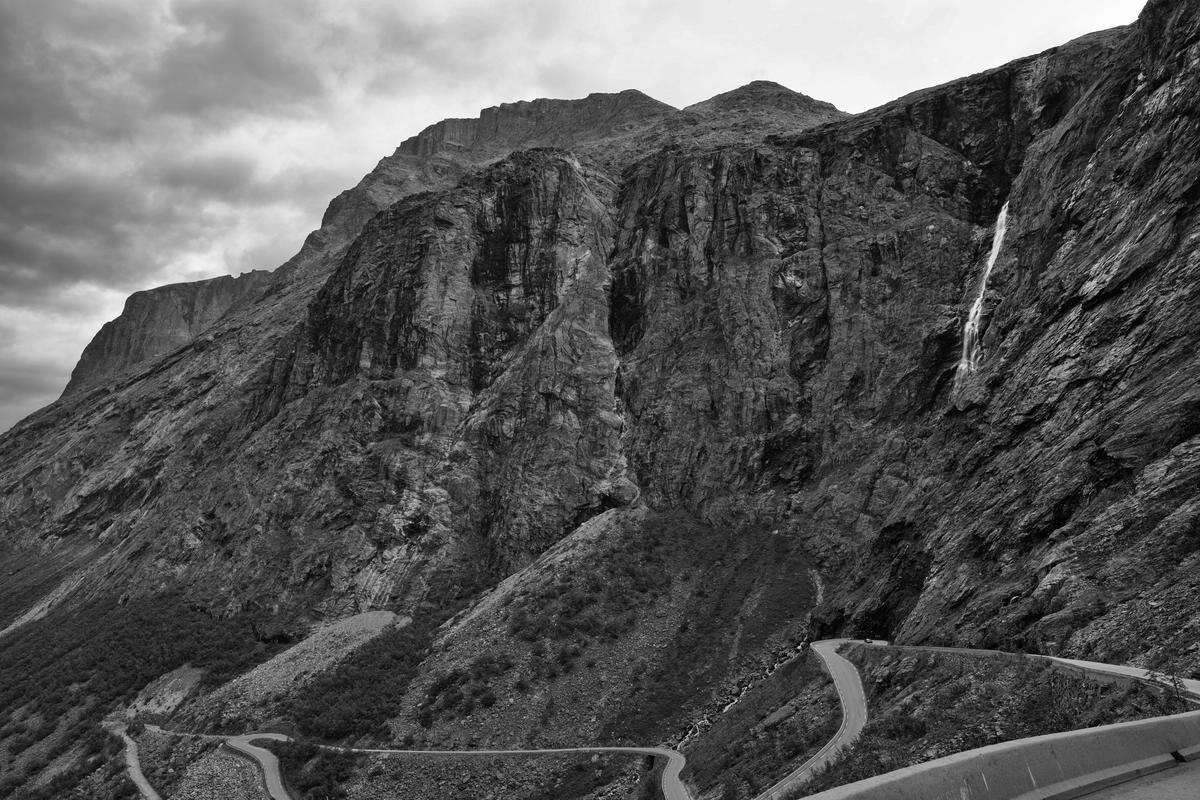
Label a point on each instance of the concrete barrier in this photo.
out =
(1057, 765)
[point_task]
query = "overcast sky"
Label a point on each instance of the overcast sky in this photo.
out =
(153, 141)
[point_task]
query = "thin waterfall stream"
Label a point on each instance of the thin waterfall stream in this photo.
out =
(968, 362)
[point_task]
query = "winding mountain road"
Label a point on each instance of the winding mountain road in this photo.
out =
(845, 677)
(1093, 668)
(267, 761)
(673, 786)
(854, 716)
(132, 763)
(1189, 685)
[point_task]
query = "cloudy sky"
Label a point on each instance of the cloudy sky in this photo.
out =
(144, 142)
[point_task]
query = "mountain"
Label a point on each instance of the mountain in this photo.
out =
(583, 391)
(759, 101)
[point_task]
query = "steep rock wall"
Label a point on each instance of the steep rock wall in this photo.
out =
(157, 321)
(1068, 511)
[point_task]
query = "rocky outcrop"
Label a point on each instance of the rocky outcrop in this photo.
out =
(439, 156)
(476, 323)
(539, 123)
(157, 321)
(762, 107)
(723, 332)
(608, 128)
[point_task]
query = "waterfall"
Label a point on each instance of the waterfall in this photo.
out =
(968, 362)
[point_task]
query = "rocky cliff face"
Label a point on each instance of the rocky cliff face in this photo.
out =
(610, 129)
(157, 321)
(563, 123)
(1066, 515)
(717, 354)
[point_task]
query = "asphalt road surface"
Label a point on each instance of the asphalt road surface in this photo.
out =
(1189, 685)
(132, 763)
(1177, 783)
(265, 758)
(854, 716)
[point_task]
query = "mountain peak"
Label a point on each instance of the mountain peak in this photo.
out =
(763, 94)
(541, 122)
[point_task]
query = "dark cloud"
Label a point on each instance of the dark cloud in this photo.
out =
(30, 370)
(220, 175)
(237, 56)
(90, 227)
(65, 73)
(112, 117)
(23, 388)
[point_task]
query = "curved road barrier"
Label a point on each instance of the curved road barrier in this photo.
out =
(1056, 765)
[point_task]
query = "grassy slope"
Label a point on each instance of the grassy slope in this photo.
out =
(770, 731)
(313, 774)
(585, 646)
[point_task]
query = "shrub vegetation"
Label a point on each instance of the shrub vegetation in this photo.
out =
(65, 672)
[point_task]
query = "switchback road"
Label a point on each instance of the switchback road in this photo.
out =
(854, 716)
(845, 677)
(267, 761)
(132, 763)
(672, 785)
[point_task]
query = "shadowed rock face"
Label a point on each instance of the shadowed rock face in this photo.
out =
(750, 332)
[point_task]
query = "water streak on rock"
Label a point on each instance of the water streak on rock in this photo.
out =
(968, 362)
